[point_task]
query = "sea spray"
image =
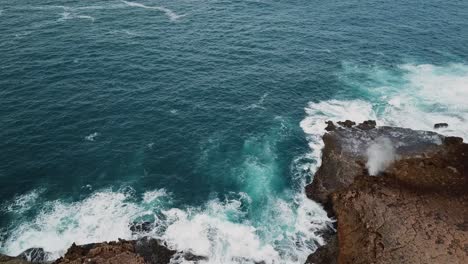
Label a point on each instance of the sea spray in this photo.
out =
(380, 155)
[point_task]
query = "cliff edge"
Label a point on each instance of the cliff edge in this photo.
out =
(398, 195)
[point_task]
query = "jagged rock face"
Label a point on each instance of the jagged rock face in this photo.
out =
(102, 253)
(415, 211)
(381, 222)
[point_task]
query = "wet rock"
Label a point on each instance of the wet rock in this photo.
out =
(153, 251)
(192, 257)
(347, 123)
(367, 125)
(330, 126)
(141, 227)
(35, 255)
(440, 125)
(325, 254)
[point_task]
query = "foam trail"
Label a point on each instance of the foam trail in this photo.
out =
(171, 14)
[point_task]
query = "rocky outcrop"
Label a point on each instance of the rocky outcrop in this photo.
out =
(414, 211)
(142, 251)
(440, 125)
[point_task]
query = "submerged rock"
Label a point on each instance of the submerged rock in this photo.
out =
(440, 125)
(414, 212)
(141, 227)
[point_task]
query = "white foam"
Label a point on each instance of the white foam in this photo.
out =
(23, 203)
(258, 104)
(168, 12)
(104, 216)
(219, 230)
(380, 155)
(429, 95)
(92, 136)
(68, 14)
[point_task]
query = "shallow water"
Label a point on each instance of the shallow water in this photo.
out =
(205, 116)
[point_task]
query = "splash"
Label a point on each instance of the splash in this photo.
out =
(380, 155)
(92, 136)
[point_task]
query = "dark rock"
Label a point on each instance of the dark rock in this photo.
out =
(141, 227)
(330, 126)
(347, 123)
(453, 140)
(440, 125)
(367, 125)
(153, 251)
(192, 257)
(34, 255)
(326, 254)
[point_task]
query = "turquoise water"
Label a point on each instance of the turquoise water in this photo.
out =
(205, 117)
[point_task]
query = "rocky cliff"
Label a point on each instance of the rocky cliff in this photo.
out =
(413, 210)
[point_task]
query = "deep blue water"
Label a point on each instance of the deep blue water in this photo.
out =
(203, 103)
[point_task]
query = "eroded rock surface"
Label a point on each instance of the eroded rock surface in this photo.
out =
(142, 251)
(415, 211)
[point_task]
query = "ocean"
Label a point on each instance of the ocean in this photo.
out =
(205, 117)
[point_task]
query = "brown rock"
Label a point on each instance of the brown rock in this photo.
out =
(4, 259)
(416, 212)
(120, 252)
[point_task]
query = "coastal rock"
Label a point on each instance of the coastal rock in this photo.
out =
(440, 125)
(153, 251)
(142, 251)
(141, 227)
(345, 155)
(413, 212)
(347, 123)
(4, 259)
(120, 252)
(35, 255)
(330, 126)
(366, 125)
